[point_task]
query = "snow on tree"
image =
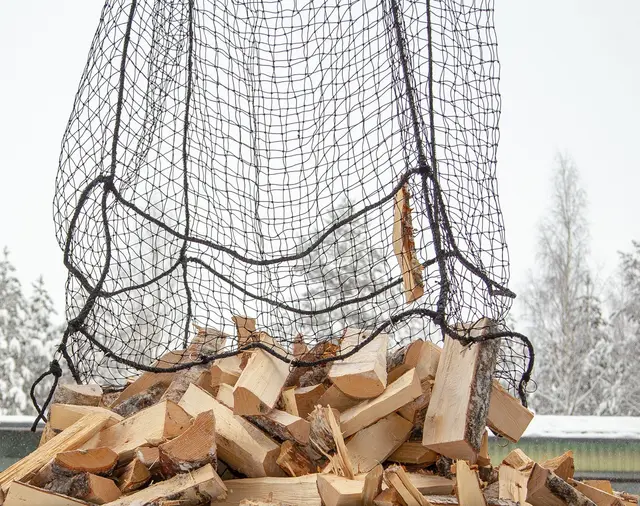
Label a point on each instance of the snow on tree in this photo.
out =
(27, 340)
(563, 307)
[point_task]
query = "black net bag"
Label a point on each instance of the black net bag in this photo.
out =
(253, 158)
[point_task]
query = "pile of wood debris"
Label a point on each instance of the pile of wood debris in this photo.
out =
(408, 428)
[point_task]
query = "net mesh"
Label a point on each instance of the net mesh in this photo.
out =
(244, 158)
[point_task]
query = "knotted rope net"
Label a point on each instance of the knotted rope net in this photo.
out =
(253, 158)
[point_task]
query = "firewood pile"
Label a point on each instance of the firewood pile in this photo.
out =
(406, 428)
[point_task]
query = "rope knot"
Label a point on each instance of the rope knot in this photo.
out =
(55, 369)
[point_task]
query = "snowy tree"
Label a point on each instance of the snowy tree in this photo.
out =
(27, 340)
(563, 306)
(623, 396)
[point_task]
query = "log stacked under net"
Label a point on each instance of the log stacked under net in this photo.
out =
(400, 429)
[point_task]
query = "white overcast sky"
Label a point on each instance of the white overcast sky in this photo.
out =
(570, 81)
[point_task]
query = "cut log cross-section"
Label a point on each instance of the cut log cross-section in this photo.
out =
(363, 375)
(240, 444)
(562, 466)
(258, 387)
(335, 398)
(405, 389)
(457, 413)
(65, 464)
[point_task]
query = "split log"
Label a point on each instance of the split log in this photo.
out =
(307, 399)
(78, 395)
(388, 497)
(22, 494)
(289, 401)
(600, 497)
(403, 359)
(133, 476)
(108, 399)
(192, 449)
(204, 382)
(293, 461)
(147, 379)
(519, 460)
(69, 439)
(604, 485)
(335, 398)
(141, 400)
(428, 484)
(341, 462)
(86, 486)
(299, 348)
(182, 380)
(320, 433)
(283, 426)
(507, 416)
(416, 410)
(363, 375)
(244, 447)
(404, 246)
(208, 341)
(151, 426)
(339, 491)
(512, 484)
(412, 452)
(187, 489)
(372, 445)
(562, 466)
(457, 413)
(483, 456)
(47, 434)
(226, 370)
(317, 373)
(225, 395)
(62, 416)
(260, 384)
(468, 489)
(372, 486)
(429, 360)
(245, 327)
(289, 491)
(544, 488)
(443, 500)
(150, 457)
(395, 477)
(405, 389)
